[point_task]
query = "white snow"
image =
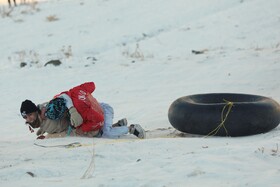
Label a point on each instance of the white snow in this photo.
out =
(139, 55)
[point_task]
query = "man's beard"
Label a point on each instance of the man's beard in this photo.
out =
(35, 123)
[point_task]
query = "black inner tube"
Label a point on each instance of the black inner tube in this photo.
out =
(203, 113)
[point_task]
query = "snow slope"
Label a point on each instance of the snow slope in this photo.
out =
(139, 54)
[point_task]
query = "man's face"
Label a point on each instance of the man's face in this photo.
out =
(32, 119)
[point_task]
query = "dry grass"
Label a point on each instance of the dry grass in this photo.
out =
(27, 7)
(137, 54)
(272, 152)
(67, 52)
(52, 18)
(32, 57)
(6, 12)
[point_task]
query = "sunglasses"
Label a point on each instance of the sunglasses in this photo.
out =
(24, 115)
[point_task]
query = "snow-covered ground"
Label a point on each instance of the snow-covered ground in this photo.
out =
(139, 54)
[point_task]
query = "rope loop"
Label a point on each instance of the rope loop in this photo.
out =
(228, 106)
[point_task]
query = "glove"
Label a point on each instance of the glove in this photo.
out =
(68, 100)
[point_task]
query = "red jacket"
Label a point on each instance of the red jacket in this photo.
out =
(87, 106)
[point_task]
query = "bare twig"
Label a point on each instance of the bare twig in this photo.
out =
(89, 172)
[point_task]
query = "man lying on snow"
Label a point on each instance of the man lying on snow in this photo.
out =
(76, 113)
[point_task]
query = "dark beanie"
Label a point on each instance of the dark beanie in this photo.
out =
(27, 107)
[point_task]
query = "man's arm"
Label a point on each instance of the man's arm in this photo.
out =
(75, 118)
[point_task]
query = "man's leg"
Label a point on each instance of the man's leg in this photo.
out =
(108, 130)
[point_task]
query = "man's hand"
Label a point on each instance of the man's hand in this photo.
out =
(41, 137)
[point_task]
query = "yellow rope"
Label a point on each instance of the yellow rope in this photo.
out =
(228, 105)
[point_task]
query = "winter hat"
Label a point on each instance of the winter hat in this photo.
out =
(56, 108)
(27, 107)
